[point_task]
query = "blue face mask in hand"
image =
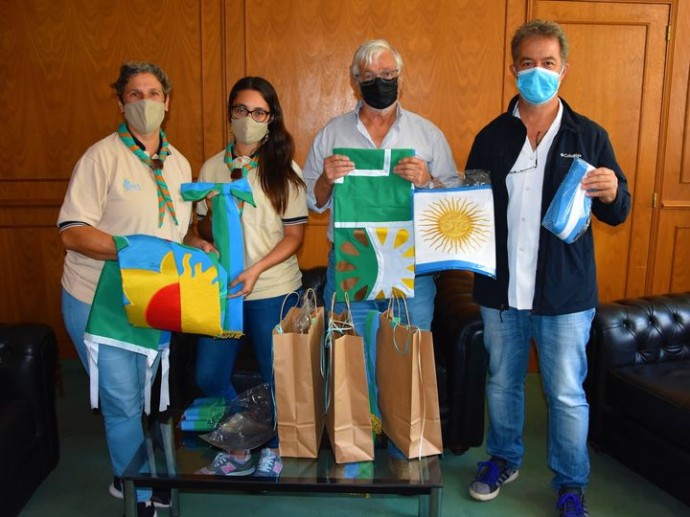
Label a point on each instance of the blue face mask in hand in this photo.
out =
(538, 85)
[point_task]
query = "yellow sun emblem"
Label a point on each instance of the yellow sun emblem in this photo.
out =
(449, 225)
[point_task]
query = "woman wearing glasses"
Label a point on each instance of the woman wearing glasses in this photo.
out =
(261, 150)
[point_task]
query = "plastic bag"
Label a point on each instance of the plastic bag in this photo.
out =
(204, 414)
(249, 424)
(469, 177)
(570, 211)
(306, 306)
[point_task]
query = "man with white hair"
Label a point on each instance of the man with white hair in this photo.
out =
(377, 122)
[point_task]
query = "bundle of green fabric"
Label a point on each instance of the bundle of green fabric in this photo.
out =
(204, 414)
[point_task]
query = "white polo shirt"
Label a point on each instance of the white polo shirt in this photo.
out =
(113, 190)
(263, 228)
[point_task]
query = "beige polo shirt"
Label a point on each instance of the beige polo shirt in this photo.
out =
(113, 190)
(263, 228)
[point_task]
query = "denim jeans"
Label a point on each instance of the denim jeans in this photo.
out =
(561, 341)
(215, 359)
(121, 376)
(420, 307)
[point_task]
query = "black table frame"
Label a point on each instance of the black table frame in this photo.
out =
(429, 491)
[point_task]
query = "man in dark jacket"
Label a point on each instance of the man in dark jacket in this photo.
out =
(544, 288)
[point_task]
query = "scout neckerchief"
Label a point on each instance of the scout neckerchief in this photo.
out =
(239, 167)
(227, 236)
(156, 166)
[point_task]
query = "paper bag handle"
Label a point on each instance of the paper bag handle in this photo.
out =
(395, 301)
(279, 328)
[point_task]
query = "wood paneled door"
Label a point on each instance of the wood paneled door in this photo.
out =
(618, 54)
(671, 248)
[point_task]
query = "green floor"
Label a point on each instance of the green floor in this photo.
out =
(79, 484)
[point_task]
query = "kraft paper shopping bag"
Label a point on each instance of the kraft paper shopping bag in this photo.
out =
(406, 379)
(348, 418)
(299, 382)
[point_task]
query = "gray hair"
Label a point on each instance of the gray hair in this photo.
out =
(544, 28)
(132, 68)
(368, 52)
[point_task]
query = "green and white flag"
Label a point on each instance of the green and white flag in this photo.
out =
(108, 326)
(372, 227)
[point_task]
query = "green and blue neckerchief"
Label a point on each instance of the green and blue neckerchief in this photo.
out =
(227, 236)
(164, 198)
(241, 163)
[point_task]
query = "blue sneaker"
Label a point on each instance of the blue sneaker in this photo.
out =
(491, 475)
(225, 464)
(270, 464)
(571, 502)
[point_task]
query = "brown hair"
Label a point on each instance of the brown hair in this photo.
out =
(277, 152)
(132, 68)
(542, 28)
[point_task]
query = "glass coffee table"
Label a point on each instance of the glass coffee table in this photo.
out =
(186, 453)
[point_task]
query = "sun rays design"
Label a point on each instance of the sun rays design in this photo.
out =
(452, 225)
(395, 246)
(375, 262)
(172, 299)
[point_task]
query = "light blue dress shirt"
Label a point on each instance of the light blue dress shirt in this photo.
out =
(408, 131)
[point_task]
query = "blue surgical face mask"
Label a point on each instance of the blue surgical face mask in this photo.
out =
(538, 85)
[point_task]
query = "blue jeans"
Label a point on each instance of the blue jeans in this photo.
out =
(215, 358)
(420, 307)
(121, 378)
(561, 342)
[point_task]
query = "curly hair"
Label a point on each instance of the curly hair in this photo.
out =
(132, 68)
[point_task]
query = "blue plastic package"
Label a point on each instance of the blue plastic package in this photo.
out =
(570, 211)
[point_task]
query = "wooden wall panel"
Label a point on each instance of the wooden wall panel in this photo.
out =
(31, 269)
(624, 94)
(453, 60)
(453, 66)
(57, 60)
(671, 272)
(670, 250)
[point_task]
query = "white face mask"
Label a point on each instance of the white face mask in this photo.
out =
(248, 131)
(145, 116)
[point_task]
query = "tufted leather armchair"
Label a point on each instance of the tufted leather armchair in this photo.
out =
(461, 361)
(638, 387)
(29, 448)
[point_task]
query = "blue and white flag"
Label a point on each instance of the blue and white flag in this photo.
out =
(454, 229)
(570, 211)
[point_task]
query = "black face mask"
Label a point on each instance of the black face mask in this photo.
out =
(380, 93)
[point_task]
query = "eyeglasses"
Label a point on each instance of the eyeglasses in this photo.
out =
(387, 75)
(531, 167)
(535, 154)
(241, 111)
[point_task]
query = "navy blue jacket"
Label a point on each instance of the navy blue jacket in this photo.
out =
(566, 278)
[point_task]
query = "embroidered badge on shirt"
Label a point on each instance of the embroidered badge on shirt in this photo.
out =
(131, 186)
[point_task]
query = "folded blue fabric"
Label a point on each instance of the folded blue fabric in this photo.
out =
(570, 211)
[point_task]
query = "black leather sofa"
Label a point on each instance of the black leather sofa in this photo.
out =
(458, 349)
(461, 361)
(29, 447)
(638, 387)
